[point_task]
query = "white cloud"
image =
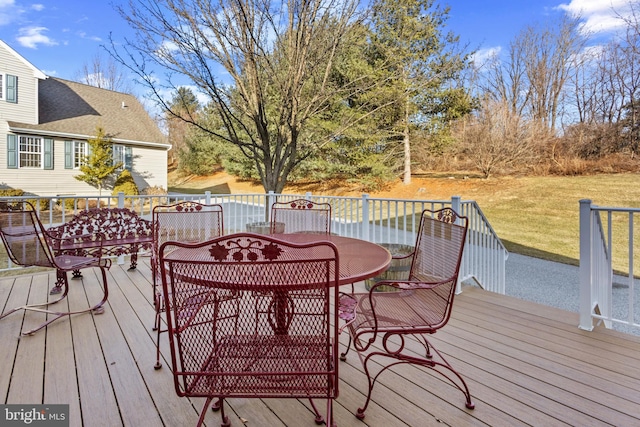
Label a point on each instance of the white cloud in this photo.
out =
(598, 16)
(31, 37)
(8, 12)
(37, 7)
(482, 56)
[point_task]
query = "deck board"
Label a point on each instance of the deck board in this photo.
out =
(525, 364)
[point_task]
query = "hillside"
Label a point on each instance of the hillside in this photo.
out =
(420, 187)
(536, 216)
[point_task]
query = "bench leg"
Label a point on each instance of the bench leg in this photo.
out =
(61, 278)
(134, 260)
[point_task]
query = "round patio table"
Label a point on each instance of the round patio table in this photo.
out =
(359, 259)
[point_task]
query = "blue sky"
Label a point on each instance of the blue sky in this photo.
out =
(61, 36)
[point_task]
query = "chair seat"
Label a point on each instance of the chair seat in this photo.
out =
(403, 309)
(72, 262)
(270, 366)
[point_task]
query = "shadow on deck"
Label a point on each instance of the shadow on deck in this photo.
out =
(525, 364)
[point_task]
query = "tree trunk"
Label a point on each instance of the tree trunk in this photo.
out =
(407, 146)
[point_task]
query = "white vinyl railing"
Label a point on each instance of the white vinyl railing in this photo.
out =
(389, 221)
(609, 291)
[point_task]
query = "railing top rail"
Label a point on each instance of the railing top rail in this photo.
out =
(486, 223)
(614, 209)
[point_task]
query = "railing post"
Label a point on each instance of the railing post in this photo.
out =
(271, 199)
(364, 228)
(455, 204)
(207, 197)
(586, 322)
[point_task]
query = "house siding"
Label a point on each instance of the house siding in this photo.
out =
(59, 110)
(24, 110)
(149, 169)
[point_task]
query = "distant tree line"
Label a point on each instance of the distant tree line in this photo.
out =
(556, 104)
(323, 89)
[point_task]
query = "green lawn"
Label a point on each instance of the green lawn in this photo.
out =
(539, 216)
(536, 216)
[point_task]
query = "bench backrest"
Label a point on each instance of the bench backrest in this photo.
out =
(109, 224)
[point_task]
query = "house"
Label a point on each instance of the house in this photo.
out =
(45, 123)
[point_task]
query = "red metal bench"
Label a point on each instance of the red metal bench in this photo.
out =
(109, 231)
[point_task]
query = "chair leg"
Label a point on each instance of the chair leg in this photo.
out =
(319, 419)
(428, 362)
(217, 406)
(360, 411)
(36, 307)
(343, 356)
(158, 364)
(460, 384)
(96, 309)
(331, 422)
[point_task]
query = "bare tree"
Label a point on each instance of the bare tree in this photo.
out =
(265, 66)
(533, 79)
(104, 73)
(506, 80)
(497, 139)
(607, 88)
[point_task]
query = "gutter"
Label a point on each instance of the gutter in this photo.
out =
(62, 135)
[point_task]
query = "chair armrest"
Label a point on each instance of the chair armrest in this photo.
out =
(408, 284)
(404, 256)
(346, 309)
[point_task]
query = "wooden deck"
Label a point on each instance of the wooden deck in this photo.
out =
(525, 364)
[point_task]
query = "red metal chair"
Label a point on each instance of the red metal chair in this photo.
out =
(28, 244)
(221, 350)
(301, 216)
(184, 222)
(399, 321)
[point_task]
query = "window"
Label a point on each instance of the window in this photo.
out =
(1, 86)
(75, 153)
(118, 155)
(79, 153)
(122, 154)
(30, 152)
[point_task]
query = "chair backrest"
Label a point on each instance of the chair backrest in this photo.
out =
(186, 222)
(437, 257)
(24, 236)
(249, 315)
(301, 216)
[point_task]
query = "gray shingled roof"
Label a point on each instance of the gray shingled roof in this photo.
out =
(75, 109)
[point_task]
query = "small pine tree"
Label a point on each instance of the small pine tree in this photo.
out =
(125, 184)
(98, 165)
